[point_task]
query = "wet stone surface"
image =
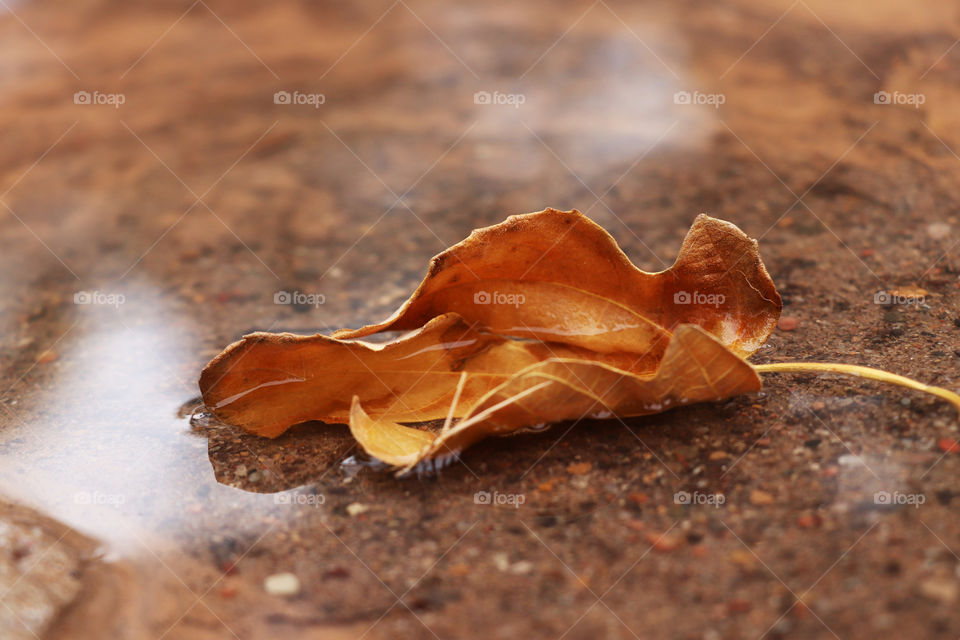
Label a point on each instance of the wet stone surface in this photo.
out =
(818, 508)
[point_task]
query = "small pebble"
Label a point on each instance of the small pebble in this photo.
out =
(938, 230)
(760, 497)
(949, 445)
(809, 521)
(579, 468)
(849, 460)
(788, 323)
(738, 606)
(664, 542)
(743, 559)
(356, 508)
(580, 483)
(282, 584)
(942, 589)
(336, 573)
(521, 568)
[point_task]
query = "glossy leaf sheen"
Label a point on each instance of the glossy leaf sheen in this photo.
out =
(268, 382)
(597, 337)
(579, 288)
(695, 368)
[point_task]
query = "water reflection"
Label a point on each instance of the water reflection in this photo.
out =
(100, 446)
(307, 453)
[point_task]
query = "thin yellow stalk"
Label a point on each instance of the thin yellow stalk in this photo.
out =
(860, 372)
(453, 405)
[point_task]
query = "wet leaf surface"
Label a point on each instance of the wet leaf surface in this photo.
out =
(695, 368)
(536, 320)
(266, 383)
(557, 276)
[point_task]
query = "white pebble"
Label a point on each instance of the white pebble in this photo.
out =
(938, 230)
(282, 584)
(522, 567)
(851, 461)
(356, 508)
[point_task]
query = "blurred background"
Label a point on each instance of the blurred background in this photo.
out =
(177, 174)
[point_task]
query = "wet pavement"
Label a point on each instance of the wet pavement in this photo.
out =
(172, 176)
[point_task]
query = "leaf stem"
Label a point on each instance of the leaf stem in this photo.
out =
(860, 372)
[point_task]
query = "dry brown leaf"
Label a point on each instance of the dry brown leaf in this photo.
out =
(695, 368)
(557, 276)
(599, 338)
(578, 288)
(268, 382)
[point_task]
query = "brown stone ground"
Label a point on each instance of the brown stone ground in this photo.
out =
(199, 198)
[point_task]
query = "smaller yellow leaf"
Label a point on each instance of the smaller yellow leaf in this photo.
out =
(387, 441)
